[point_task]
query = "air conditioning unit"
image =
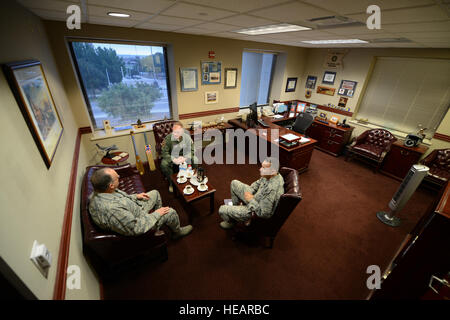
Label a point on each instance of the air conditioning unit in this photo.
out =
(404, 192)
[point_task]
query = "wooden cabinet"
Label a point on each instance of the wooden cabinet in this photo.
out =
(331, 138)
(400, 159)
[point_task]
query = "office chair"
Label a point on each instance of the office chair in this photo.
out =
(302, 122)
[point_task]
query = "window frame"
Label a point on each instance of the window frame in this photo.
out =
(92, 120)
(272, 71)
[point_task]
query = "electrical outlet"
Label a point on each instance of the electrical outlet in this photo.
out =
(41, 257)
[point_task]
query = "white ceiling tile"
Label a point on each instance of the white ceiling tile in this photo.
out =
(216, 27)
(185, 10)
(436, 45)
(426, 35)
(158, 26)
(194, 30)
(103, 12)
(422, 14)
(111, 21)
(355, 30)
(237, 5)
(173, 21)
(418, 27)
(243, 20)
(151, 6)
(352, 6)
(52, 5)
(293, 11)
(52, 15)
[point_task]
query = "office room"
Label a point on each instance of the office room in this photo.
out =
(351, 67)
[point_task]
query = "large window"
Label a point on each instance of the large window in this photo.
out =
(256, 78)
(123, 82)
(404, 93)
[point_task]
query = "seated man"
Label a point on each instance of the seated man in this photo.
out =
(129, 215)
(177, 148)
(260, 198)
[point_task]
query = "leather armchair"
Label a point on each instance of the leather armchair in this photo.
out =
(107, 251)
(439, 163)
(268, 228)
(161, 130)
(372, 145)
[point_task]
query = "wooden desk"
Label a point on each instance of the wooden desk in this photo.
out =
(297, 157)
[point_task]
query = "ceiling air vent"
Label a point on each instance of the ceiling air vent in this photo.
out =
(334, 22)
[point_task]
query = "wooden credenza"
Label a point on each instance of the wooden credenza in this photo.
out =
(400, 159)
(331, 138)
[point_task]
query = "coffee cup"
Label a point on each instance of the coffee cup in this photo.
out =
(202, 186)
(188, 188)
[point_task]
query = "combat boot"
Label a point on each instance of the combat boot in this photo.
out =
(184, 231)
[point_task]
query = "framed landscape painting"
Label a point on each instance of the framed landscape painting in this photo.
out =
(29, 86)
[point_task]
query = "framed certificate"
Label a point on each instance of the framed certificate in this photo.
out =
(230, 78)
(188, 79)
(329, 77)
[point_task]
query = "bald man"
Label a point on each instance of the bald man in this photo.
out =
(129, 215)
(261, 197)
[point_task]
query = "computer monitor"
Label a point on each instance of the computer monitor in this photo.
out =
(252, 118)
(301, 107)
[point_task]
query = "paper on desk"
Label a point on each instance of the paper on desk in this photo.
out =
(290, 137)
(123, 154)
(278, 116)
(304, 140)
(116, 158)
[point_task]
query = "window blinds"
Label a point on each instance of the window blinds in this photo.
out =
(405, 92)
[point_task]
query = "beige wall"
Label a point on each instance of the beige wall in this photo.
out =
(188, 51)
(356, 65)
(32, 197)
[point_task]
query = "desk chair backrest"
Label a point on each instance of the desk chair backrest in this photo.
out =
(302, 122)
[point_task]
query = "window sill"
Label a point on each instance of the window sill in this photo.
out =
(398, 134)
(101, 134)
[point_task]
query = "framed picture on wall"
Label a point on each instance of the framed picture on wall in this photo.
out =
(211, 72)
(211, 97)
(311, 82)
(291, 83)
(347, 88)
(30, 88)
(188, 79)
(329, 77)
(230, 78)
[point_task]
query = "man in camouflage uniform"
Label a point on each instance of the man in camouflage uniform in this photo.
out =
(113, 209)
(260, 198)
(177, 148)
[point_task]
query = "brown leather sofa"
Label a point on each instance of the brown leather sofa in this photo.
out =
(268, 228)
(439, 163)
(108, 252)
(372, 145)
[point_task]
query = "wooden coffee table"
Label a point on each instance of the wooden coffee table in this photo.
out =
(197, 195)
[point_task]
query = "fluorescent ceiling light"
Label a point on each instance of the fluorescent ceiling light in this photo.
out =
(276, 28)
(335, 41)
(118, 14)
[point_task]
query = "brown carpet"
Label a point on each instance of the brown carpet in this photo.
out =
(322, 251)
